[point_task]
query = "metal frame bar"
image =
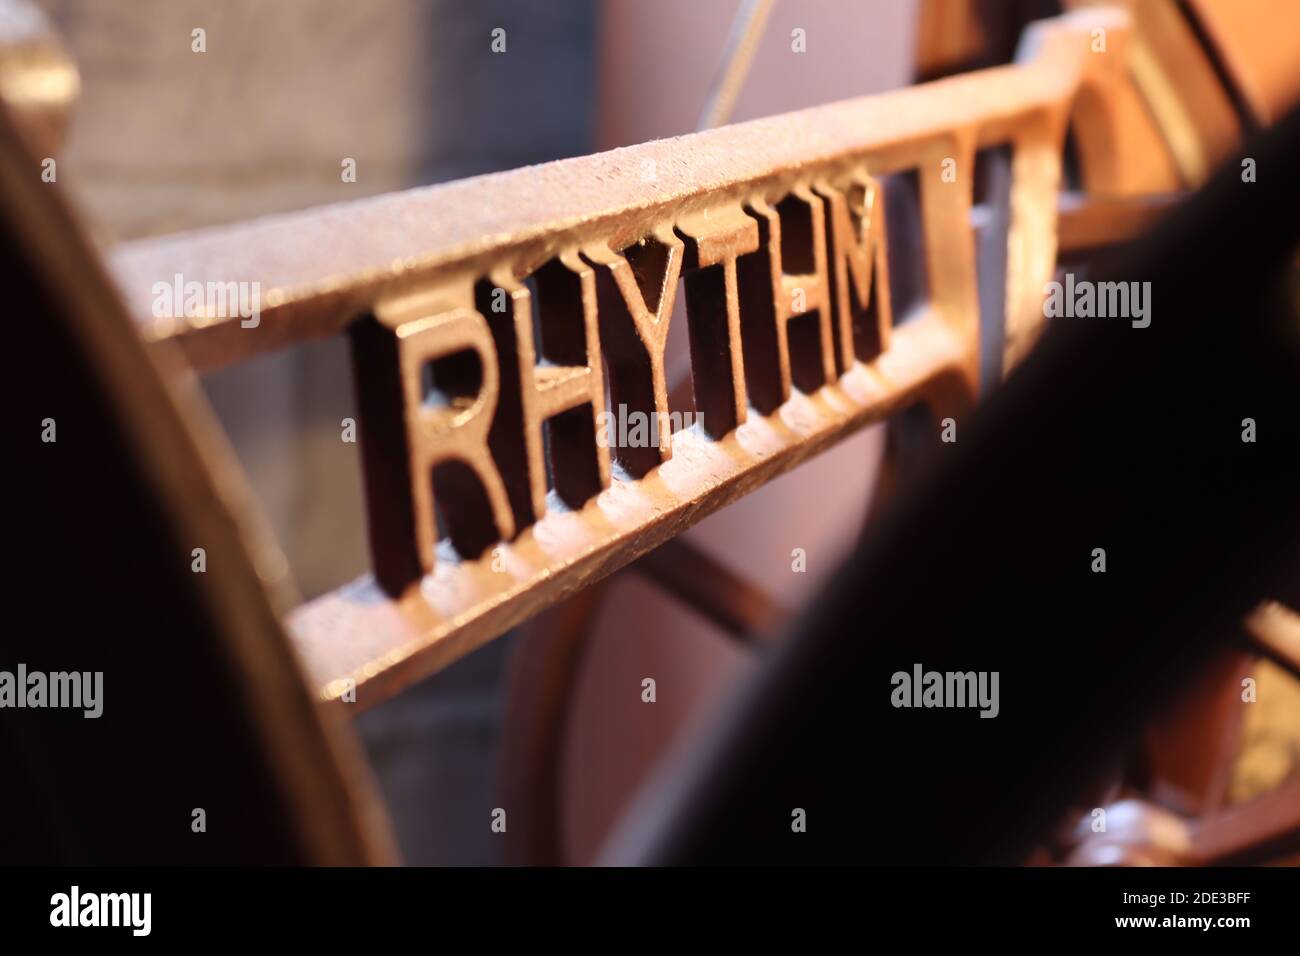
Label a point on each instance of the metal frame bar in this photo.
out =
(419, 261)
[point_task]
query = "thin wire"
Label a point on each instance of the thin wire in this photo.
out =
(746, 30)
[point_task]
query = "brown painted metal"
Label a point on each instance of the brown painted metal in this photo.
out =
(1189, 748)
(1179, 88)
(707, 586)
(1259, 47)
(775, 226)
(1091, 223)
(956, 36)
(320, 269)
(537, 700)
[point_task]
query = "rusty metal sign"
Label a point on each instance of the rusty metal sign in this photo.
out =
(507, 319)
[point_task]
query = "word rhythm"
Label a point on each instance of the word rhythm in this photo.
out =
(481, 394)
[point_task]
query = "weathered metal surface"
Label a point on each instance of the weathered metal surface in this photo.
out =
(775, 227)
(319, 269)
(495, 319)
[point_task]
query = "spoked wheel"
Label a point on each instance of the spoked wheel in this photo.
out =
(841, 267)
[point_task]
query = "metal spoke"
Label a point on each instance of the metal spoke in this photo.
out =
(746, 31)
